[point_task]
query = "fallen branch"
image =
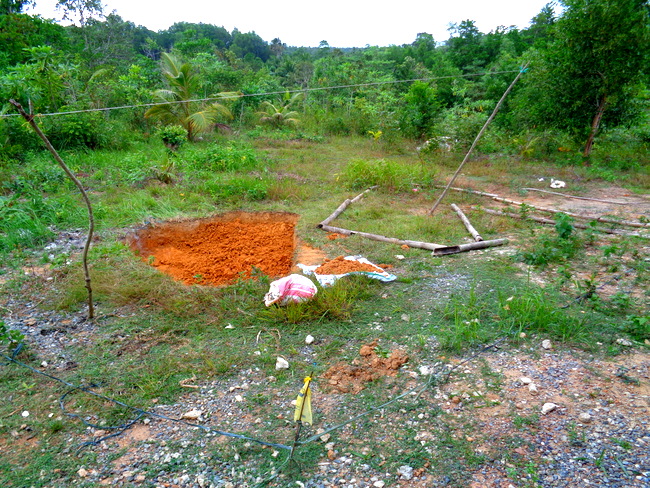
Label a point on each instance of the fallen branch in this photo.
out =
(577, 225)
(341, 208)
(487, 122)
(470, 228)
(443, 251)
(552, 210)
(421, 245)
(577, 197)
(91, 221)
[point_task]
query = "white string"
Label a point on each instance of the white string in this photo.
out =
(227, 97)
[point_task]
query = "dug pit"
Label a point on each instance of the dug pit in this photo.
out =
(220, 249)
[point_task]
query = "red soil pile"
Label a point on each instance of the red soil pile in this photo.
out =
(351, 378)
(340, 265)
(217, 250)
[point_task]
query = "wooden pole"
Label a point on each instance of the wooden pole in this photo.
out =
(579, 198)
(577, 225)
(91, 221)
(391, 240)
(552, 210)
(487, 122)
(341, 208)
(443, 251)
(470, 228)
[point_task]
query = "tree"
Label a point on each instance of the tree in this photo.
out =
(14, 6)
(281, 114)
(178, 102)
(588, 74)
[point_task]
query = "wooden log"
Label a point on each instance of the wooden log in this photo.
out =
(470, 228)
(577, 225)
(472, 246)
(341, 208)
(552, 210)
(400, 242)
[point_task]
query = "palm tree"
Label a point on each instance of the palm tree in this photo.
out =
(178, 104)
(280, 114)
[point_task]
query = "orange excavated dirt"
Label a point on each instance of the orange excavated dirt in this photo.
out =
(340, 265)
(217, 250)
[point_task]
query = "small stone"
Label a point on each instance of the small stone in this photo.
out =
(281, 363)
(378, 484)
(405, 473)
(546, 344)
(309, 339)
(548, 407)
(44, 364)
(532, 388)
(406, 317)
(25, 413)
(525, 380)
(399, 256)
(584, 417)
(193, 414)
(82, 473)
(239, 398)
(522, 335)
(140, 478)
(623, 342)
(325, 437)
(331, 455)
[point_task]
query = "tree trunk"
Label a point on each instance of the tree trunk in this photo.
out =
(595, 124)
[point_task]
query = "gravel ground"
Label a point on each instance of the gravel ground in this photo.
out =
(596, 432)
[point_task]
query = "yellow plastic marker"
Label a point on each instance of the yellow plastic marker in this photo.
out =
(303, 404)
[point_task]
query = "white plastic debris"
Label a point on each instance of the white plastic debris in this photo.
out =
(557, 183)
(281, 363)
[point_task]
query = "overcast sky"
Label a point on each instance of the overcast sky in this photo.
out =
(342, 23)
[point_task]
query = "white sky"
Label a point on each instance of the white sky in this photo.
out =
(341, 23)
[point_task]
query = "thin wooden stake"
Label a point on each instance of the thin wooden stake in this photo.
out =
(341, 208)
(91, 221)
(577, 225)
(487, 122)
(470, 228)
(552, 210)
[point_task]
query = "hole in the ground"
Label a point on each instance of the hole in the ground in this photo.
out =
(219, 249)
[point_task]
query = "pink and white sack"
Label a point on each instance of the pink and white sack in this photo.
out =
(294, 288)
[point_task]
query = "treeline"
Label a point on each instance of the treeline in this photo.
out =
(588, 73)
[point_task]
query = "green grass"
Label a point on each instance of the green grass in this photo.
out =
(154, 332)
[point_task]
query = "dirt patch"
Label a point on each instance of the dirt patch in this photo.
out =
(351, 378)
(219, 249)
(340, 265)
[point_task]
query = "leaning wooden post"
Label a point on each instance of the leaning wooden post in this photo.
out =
(91, 227)
(470, 228)
(487, 122)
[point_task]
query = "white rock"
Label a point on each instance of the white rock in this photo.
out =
(405, 473)
(548, 407)
(193, 414)
(584, 417)
(557, 183)
(399, 256)
(532, 388)
(281, 363)
(546, 344)
(44, 364)
(406, 317)
(309, 339)
(525, 380)
(82, 473)
(239, 398)
(623, 342)
(25, 413)
(379, 484)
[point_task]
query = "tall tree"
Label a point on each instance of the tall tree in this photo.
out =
(589, 72)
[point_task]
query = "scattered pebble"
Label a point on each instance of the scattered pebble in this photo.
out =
(548, 407)
(546, 344)
(281, 363)
(309, 339)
